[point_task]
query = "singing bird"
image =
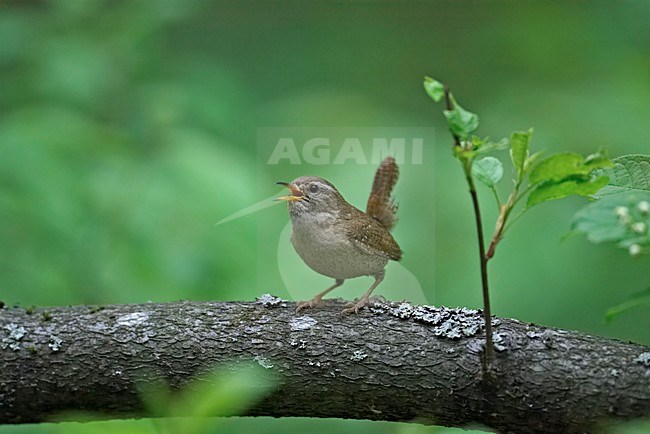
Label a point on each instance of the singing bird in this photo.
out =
(338, 240)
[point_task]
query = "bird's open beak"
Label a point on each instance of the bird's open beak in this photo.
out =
(296, 194)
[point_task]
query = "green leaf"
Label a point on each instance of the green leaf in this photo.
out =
(629, 173)
(530, 161)
(598, 159)
(460, 121)
(488, 170)
(637, 299)
(549, 189)
(612, 217)
(434, 88)
(558, 166)
(563, 165)
(519, 142)
(226, 392)
(484, 146)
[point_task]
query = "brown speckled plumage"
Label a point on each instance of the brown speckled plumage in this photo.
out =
(370, 235)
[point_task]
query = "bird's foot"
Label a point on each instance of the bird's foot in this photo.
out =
(308, 304)
(355, 307)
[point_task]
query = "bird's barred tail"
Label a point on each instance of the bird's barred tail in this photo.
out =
(380, 204)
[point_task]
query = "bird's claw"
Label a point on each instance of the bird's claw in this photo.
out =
(355, 307)
(308, 304)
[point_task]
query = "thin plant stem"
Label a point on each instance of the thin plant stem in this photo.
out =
(487, 314)
(450, 106)
(489, 346)
(514, 219)
(503, 223)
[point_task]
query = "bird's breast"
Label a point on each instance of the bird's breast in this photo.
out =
(323, 244)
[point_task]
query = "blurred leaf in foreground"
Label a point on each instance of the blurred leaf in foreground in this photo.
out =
(641, 298)
(228, 391)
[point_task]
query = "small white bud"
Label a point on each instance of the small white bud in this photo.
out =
(467, 145)
(622, 211)
(644, 206)
(623, 214)
(634, 249)
(639, 227)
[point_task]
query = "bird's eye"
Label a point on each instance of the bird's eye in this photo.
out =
(313, 188)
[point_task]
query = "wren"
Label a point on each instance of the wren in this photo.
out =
(338, 240)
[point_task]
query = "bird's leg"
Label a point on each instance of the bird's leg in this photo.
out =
(317, 299)
(355, 308)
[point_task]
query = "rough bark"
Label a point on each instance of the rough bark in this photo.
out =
(393, 363)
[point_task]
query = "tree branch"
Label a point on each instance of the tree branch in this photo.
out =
(392, 363)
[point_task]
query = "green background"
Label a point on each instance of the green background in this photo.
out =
(128, 129)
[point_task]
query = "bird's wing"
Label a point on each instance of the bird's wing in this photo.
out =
(372, 238)
(380, 205)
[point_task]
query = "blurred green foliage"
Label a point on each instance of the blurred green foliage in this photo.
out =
(622, 214)
(127, 129)
(228, 391)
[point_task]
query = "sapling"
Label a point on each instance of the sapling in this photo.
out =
(535, 180)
